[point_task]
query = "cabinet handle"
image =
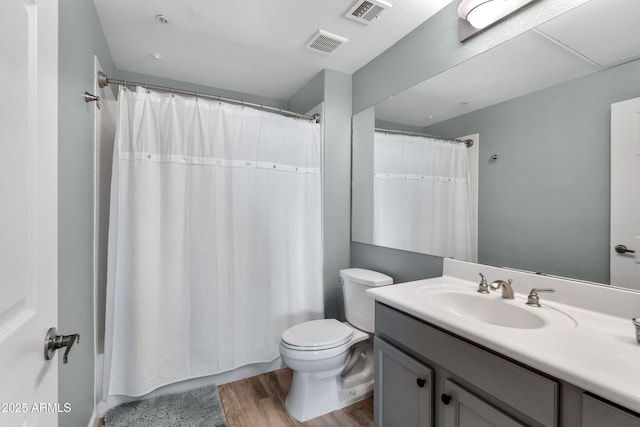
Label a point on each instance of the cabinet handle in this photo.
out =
(421, 382)
(445, 399)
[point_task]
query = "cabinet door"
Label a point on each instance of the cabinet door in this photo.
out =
(596, 413)
(463, 409)
(403, 389)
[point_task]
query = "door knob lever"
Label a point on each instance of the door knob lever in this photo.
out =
(622, 249)
(53, 341)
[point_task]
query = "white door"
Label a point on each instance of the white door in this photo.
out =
(28, 210)
(625, 193)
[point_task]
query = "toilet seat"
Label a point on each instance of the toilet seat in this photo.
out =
(317, 335)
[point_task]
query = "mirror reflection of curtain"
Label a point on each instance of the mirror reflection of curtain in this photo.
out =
(421, 196)
(215, 238)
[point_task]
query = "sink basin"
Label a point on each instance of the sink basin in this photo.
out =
(490, 309)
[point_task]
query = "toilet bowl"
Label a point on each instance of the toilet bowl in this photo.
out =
(333, 361)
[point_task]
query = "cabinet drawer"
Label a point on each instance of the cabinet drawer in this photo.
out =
(534, 395)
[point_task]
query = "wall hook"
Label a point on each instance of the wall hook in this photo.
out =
(493, 157)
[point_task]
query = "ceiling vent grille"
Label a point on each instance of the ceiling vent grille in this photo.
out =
(325, 42)
(365, 11)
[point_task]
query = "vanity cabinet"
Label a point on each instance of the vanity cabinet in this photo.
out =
(426, 376)
(470, 386)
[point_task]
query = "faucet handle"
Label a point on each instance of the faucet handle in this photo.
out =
(533, 299)
(483, 287)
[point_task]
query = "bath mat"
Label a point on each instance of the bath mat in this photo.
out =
(195, 408)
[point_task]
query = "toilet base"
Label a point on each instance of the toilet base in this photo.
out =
(311, 397)
(313, 394)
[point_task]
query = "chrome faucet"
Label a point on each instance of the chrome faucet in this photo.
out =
(483, 288)
(507, 290)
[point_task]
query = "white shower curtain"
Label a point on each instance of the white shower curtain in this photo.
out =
(421, 197)
(215, 239)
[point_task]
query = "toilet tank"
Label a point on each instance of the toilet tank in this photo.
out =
(358, 306)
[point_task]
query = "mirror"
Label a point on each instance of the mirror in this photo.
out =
(541, 104)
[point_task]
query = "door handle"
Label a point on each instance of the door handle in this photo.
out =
(53, 341)
(622, 249)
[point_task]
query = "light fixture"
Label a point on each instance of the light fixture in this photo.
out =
(482, 13)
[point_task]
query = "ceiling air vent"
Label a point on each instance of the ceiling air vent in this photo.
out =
(364, 11)
(325, 42)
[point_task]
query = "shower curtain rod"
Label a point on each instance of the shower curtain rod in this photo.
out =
(467, 142)
(104, 81)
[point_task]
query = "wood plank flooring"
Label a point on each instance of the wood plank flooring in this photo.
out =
(259, 401)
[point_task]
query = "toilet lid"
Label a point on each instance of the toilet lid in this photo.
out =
(318, 334)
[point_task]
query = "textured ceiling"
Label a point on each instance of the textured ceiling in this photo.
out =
(251, 46)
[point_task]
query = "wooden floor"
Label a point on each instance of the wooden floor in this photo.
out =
(259, 401)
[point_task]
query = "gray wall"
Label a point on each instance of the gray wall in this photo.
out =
(80, 38)
(309, 96)
(334, 88)
(337, 187)
(400, 265)
(544, 205)
(362, 137)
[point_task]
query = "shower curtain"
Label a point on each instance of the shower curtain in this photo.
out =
(215, 238)
(421, 196)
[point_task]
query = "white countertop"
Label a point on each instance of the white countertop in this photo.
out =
(598, 353)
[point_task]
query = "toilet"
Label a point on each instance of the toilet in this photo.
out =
(332, 361)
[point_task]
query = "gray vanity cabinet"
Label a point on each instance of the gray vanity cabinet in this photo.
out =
(404, 389)
(471, 387)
